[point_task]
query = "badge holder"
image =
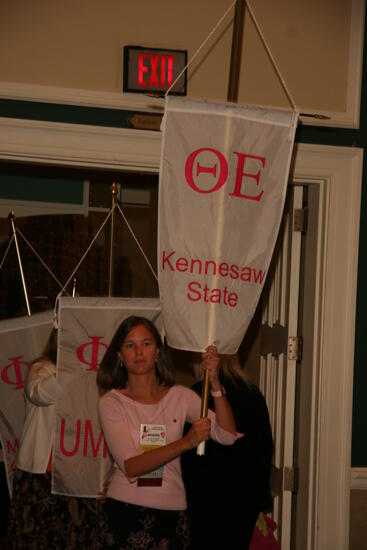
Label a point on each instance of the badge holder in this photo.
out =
(152, 436)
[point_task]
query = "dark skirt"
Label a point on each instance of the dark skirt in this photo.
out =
(39, 520)
(124, 526)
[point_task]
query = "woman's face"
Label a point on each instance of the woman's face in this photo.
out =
(139, 350)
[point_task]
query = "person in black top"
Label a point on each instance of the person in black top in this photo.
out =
(228, 487)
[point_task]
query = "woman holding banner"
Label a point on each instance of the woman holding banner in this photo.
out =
(142, 410)
(230, 486)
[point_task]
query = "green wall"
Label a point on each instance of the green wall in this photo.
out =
(40, 189)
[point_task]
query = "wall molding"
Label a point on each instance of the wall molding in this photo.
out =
(351, 117)
(79, 97)
(358, 479)
(79, 145)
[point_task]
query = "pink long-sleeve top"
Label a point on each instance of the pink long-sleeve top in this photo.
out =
(121, 417)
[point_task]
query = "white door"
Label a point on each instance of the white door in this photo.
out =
(279, 349)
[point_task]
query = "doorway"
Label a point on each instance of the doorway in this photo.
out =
(337, 172)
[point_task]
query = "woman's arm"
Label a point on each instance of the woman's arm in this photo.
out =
(223, 410)
(41, 386)
(124, 448)
(149, 461)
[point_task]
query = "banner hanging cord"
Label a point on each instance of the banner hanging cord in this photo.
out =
(116, 205)
(263, 40)
(39, 258)
(63, 287)
(200, 47)
(6, 252)
(271, 57)
(84, 255)
(137, 242)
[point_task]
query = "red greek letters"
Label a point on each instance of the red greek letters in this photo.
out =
(11, 452)
(15, 372)
(94, 349)
(73, 451)
(217, 168)
(89, 437)
(83, 439)
(12, 447)
(241, 174)
(222, 175)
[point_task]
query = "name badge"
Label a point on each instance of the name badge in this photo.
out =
(152, 436)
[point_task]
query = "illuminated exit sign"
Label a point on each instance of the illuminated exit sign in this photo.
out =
(151, 70)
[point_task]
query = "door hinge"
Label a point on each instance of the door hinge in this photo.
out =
(290, 479)
(295, 344)
(284, 479)
(300, 220)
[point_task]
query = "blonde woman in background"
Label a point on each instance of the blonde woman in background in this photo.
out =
(228, 487)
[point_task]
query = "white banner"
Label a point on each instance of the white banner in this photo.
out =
(86, 327)
(223, 179)
(21, 341)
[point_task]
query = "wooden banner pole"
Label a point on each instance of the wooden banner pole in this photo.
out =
(233, 85)
(236, 51)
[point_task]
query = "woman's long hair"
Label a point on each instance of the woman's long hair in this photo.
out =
(229, 369)
(49, 352)
(112, 373)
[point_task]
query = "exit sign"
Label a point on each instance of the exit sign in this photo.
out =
(151, 70)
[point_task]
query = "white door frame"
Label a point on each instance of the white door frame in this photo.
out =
(278, 371)
(339, 171)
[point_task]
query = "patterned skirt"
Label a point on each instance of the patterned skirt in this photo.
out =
(39, 520)
(124, 526)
